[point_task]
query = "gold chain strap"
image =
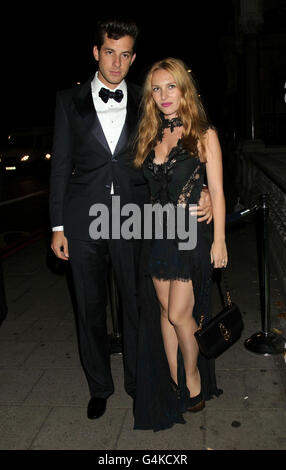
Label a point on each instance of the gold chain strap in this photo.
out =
(227, 290)
(225, 332)
(201, 323)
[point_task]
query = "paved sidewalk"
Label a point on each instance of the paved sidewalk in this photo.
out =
(43, 392)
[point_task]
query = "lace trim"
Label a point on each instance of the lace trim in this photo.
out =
(188, 187)
(163, 171)
(171, 278)
(161, 167)
(176, 153)
(168, 123)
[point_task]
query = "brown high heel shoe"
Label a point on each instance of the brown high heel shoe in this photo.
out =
(196, 403)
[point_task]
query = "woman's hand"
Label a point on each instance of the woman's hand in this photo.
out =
(218, 253)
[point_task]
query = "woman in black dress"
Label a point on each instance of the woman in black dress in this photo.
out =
(176, 147)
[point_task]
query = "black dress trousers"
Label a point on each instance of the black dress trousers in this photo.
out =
(89, 265)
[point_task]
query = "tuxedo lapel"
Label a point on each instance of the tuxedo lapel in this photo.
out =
(130, 120)
(85, 107)
(99, 134)
(123, 139)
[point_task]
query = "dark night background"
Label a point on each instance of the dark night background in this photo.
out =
(48, 47)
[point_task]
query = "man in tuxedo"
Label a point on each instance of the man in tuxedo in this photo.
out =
(95, 125)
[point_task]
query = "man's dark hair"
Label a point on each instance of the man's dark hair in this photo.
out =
(115, 28)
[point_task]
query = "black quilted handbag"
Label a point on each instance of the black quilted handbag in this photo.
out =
(222, 331)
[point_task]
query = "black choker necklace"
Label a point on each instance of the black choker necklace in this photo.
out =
(168, 123)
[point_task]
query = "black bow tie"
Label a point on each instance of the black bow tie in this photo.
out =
(105, 94)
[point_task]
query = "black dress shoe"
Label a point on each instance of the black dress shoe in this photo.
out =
(175, 388)
(96, 407)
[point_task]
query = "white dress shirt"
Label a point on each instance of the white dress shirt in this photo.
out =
(111, 116)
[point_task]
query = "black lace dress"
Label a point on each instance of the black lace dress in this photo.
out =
(178, 181)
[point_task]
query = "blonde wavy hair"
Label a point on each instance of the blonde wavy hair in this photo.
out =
(191, 112)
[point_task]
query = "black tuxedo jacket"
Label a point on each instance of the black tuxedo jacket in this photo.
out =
(83, 166)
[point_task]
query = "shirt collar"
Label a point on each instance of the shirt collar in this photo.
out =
(96, 85)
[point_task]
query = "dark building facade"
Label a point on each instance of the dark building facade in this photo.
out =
(254, 113)
(253, 51)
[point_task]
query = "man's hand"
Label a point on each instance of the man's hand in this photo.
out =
(204, 209)
(59, 245)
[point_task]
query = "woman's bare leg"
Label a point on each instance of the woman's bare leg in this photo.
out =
(181, 303)
(169, 335)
